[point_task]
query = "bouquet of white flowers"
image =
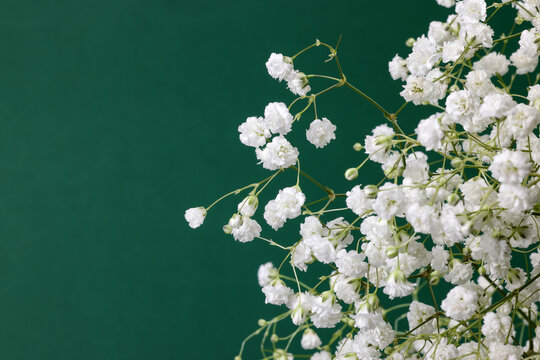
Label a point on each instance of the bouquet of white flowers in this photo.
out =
(458, 202)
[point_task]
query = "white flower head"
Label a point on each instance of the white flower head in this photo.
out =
(279, 153)
(321, 132)
(195, 216)
(279, 67)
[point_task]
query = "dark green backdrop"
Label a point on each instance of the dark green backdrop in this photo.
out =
(118, 115)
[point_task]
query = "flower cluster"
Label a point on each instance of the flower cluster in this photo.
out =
(452, 227)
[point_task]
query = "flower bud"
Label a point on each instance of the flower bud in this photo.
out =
(452, 199)
(348, 321)
(482, 270)
(287, 60)
(434, 277)
(383, 141)
(298, 315)
(456, 163)
(261, 322)
(518, 20)
(371, 191)
(454, 88)
(235, 221)
(227, 229)
(248, 206)
(328, 296)
(391, 252)
(274, 338)
(237, 357)
(397, 276)
(358, 147)
(410, 42)
(351, 174)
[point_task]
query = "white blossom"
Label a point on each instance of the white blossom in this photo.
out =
(321, 132)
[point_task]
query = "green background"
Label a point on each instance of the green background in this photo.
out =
(116, 116)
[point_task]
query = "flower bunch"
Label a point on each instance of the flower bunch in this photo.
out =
(451, 228)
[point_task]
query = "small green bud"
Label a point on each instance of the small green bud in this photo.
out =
(466, 251)
(391, 252)
(434, 277)
(457, 163)
(453, 88)
(410, 42)
(261, 322)
(358, 147)
(351, 174)
(274, 338)
(497, 234)
(383, 140)
(518, 20)
(452, 199)
(237, 357)
(227, 229)
(482, 270)
(371, 191)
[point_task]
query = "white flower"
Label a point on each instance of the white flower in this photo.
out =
(515, 198)
(430, 133)
(496, 326)
(418, 314)
(276, 292)
(378, 144)
(248, 206)
(301, 256)
(279, 67)
(461, 302)
(524, 64)
(419, 89)
(310, 340)
(277, 118)
(246, 232)
(478, 81)
(253, 132)
(390, 201)
(500, 351)
(273, 216)
(424, 55)
(351, 263)
(266, 273)
(493, 63)
(510, 167)
(471, 11)
(496, 105)
(279, 153)
(398, 68)
(326, 313)
(446, 3)
(522, 119)
(298, 83)
(397, 285)
(321, 355)
(459, 273)
(287, 205)
(195, 216)
(358, 201)
(422, 217)
(321, 132)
